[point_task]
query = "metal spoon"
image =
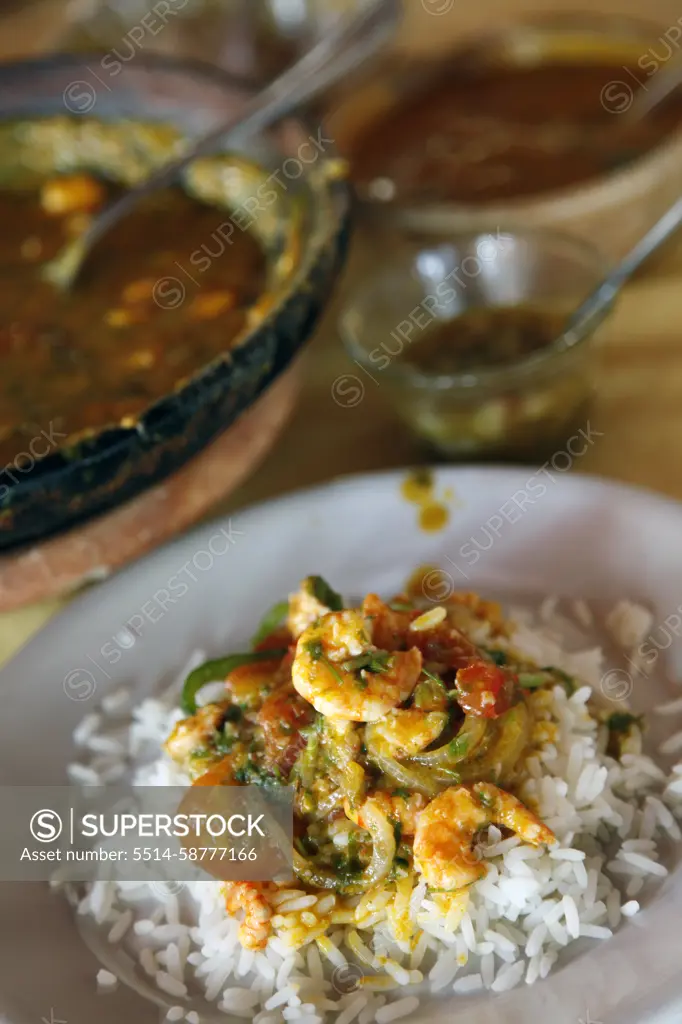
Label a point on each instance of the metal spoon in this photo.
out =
(348, 45)
(663, 83)
(641, 104)
(596, 306)
(638, 107)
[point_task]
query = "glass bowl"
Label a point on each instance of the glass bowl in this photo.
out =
(519, 410)
(616, 207)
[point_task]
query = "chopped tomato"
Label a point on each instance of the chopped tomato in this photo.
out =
(484, 689)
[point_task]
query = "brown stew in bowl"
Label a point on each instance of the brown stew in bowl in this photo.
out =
(168, 290)
(498, 133)
(136, 324)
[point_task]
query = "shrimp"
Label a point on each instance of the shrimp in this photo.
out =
(408, 732)
(444, 841)
(281, 718)
(196, 732)
(248, 685)
(307, 604)
(440, 641)
(343, 675)
(403, 809)
(483, 688)
(251, 897)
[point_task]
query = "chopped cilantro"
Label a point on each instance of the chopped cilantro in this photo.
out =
(316, 652)
(400, 606)
(252, 774)
(499, 657)
(334, 670)
(622, 721)
(371, 661)
(314, 649)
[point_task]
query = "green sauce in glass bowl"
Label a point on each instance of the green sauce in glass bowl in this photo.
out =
(462, 334)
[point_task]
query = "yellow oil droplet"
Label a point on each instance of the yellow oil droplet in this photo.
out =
(433, 518)
(418, 488)
(415, 581)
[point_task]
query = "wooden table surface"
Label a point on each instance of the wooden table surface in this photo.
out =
(638, 410)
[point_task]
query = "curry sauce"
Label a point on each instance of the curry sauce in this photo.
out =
(162, 296)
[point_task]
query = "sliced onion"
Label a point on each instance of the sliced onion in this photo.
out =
(312, 874)
(342, 745)
(405, 776)
(513, 742)
(379, 827)
(383, 852)
(504, 757)
(470, 737)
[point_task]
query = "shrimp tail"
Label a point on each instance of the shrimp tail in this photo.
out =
(251, 897)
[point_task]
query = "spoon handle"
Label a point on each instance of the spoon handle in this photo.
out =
(598, 303)
(663, 83)
(322, 66)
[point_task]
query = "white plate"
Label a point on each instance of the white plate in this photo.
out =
(576, 536)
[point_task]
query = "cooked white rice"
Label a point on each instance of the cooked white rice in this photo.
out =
(526, 912)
